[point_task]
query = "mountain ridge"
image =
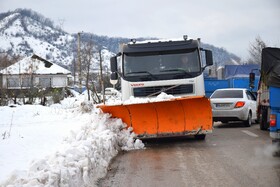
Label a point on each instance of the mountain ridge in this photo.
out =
(24, 32)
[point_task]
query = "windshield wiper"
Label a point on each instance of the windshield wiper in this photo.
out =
(178, 69)
(149, 73)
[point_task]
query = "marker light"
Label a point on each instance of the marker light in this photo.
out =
(239, 104)
(272, 120)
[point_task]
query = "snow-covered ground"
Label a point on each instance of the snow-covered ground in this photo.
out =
(59, 145)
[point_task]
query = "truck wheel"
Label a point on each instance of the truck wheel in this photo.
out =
(248, 122)
(200, 136)
(258, 115)
(257, 120)
(263, 120)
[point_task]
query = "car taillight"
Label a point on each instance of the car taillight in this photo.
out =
(272, 120)
(239, 104)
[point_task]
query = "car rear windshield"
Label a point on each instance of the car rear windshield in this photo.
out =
(228, 94)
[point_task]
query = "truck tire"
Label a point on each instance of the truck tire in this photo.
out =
(258, 114)
(263, 119)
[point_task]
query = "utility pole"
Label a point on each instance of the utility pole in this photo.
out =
(80, 64)
(101, 77)
(74, 69)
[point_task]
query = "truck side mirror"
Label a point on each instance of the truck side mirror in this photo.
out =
(252, 80)
(114, 64)
(209, 58)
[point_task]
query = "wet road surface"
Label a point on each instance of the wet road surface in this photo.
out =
(233, 155)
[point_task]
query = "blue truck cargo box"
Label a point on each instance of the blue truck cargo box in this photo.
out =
(212, 84)
(274, 97)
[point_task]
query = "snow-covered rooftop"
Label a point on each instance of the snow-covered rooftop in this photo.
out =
(36, 65)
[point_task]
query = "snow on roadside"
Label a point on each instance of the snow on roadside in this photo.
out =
(136, 100)
(77, 160)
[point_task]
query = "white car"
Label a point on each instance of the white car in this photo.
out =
(111, 91)
(234, 104)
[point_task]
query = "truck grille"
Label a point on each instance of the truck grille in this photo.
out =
(180, 89)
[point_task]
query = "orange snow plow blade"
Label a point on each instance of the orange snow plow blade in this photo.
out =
(176, 117)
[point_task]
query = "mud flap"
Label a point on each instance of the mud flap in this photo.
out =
(176, 117)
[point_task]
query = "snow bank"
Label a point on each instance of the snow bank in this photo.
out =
(136, 100)
(81, 158)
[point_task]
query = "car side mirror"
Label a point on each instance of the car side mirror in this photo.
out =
(252, 80)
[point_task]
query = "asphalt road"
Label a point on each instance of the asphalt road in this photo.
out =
(233, 155)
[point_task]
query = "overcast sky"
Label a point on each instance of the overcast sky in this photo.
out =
(231, 24)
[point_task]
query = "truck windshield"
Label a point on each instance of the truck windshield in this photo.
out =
(161, 65)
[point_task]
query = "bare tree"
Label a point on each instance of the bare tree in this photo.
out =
(88, 53)
(87, 56)
(7, 60)
(255, 50)
(28, 79)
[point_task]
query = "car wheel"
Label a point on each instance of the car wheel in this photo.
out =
(248, 122)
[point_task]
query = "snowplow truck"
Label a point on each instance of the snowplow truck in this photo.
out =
(147, 69)
(268, 100)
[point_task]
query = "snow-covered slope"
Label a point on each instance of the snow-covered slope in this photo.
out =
(24, 32)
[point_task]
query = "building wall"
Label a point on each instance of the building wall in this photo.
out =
(221, 73)
(43, 81)
(60, 81)
(4, 83)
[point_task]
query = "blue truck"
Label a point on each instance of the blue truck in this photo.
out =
(212, 84)
(233, 76)
(268, 99)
